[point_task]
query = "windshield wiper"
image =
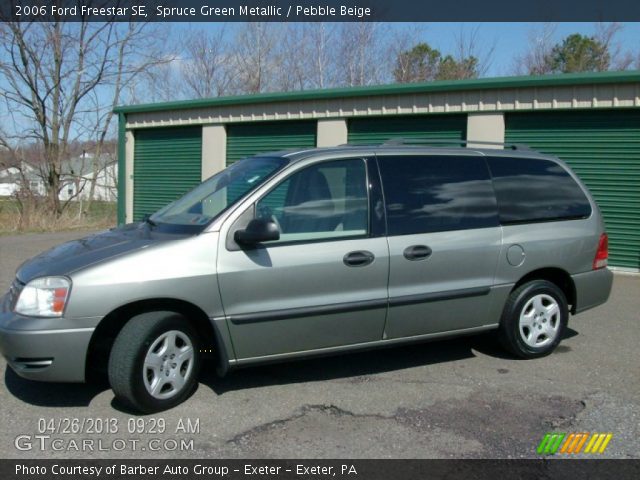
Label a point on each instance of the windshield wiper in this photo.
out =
(147, 219)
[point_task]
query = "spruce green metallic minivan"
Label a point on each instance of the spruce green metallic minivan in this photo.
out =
(314, 252)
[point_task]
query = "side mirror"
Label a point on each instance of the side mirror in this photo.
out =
(258, 230)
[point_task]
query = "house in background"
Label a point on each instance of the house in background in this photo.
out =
(76, 178)
(11, 181)
(78, 173)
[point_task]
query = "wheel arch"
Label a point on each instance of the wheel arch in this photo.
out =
(110, 326)
(558, 277)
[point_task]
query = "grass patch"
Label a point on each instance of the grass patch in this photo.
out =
(100, 215)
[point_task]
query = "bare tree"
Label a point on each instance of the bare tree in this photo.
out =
(254, 58)
(8, 157)
(360, 54)
(205, 68)
(536, 60)
(293, 58)
(162, 82)
(64, 79)
(606, 35)
(473, 59)
(128, 64)
(321, 50)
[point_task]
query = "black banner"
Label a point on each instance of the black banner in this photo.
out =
(319, 469)
(320, 10)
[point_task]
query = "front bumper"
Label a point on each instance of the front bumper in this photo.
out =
(44, 355)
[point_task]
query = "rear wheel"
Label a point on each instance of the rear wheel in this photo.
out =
(155, 361)
(534, 319)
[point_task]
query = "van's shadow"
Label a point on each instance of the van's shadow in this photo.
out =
(362, 363)
(351, 365)
(312, 370)
(52, 394)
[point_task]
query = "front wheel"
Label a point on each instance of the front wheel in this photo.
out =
(155, 361)
(534, 319)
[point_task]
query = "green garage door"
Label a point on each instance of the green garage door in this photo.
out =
(166, 164)
(603, 148)
(373, 131)
(249, 139)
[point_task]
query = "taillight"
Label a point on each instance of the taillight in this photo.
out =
(602, 255)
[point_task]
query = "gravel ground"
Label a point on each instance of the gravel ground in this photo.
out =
(456, 398)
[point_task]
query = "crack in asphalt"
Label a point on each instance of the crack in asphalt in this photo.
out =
(504, 425)
(304, 410)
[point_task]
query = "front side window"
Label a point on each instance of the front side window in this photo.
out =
(205, 202)
(437, 193)
(531, 190)
(323, 201)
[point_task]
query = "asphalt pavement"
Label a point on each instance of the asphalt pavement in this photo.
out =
(448, 399)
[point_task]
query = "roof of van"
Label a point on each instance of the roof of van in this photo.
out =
(300, 154)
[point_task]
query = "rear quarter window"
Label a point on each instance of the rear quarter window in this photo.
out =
(536, 190)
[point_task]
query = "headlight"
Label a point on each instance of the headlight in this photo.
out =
(44, 297)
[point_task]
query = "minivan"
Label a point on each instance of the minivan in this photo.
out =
(322, 251)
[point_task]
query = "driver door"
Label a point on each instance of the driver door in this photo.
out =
(323, 284)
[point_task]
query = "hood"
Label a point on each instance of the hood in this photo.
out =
(77, 254)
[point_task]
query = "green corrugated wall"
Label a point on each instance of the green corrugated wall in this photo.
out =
(167, 163)
(373, 131)
(247, 140)
(603, 148)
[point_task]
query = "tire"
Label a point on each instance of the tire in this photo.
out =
(534, 319)
(142, 371)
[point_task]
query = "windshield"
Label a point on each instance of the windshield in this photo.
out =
(213, 196)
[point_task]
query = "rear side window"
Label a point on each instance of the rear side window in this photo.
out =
(536, 190)
(437, 193)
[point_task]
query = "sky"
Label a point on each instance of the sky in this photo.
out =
(510, 38)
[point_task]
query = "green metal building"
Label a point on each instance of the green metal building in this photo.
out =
(592, 121)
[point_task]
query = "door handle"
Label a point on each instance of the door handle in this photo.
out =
(359, 258)
(417, 252)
